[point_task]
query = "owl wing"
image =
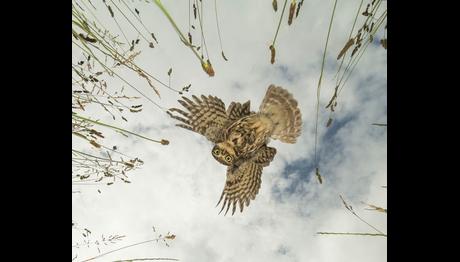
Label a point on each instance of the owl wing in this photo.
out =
(206, 116)
(243, 181)
(236, 111)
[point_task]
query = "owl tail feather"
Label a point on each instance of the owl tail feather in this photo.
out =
(282, 109)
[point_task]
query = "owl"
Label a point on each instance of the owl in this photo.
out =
(240, 137)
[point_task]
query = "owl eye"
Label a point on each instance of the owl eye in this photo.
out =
(216, 151)
(228, 158)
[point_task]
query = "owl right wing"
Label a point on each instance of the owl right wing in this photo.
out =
(206, 116)
(243, 181)
(281, 107)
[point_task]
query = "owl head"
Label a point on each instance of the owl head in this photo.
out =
(224, 154)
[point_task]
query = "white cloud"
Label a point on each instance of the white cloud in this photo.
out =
(179, 184)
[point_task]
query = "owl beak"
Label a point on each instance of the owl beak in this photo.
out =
(229, 148)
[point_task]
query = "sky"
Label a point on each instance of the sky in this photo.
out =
(177, 188)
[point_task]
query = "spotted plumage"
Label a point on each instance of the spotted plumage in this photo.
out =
(240, 137)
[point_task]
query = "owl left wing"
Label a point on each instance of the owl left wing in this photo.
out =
(237, 110)
(206, 116)
(243, 181)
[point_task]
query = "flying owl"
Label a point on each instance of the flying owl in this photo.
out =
(240, 137)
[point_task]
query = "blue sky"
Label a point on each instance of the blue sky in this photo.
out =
(179, 185)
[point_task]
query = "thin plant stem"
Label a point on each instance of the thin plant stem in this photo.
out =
(364, 221)
(76, 183)
(92, 156)
(137, 90)
(353, 61)
(97, 20)
(113, 127)
(200, 20)
(354, 234)
(137, 18)
(319, 83)
(118, 25)
(356, 215)
(351, 32)
(181, 35)
(279, 23)
(114, 53)
(118, 249)
(129, 21)
(361, 53)
(147, 259)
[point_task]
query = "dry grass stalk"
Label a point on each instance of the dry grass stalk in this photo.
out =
(350, 208)
(318, 176)
(148, 259)
(291, 12)
(347, 46)
(272, 46)
(375, 208)
(353, 234)
(329, 122)
(159, 239)
(299, 5)
(275, 5)
(272, 54)
(359, 42)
